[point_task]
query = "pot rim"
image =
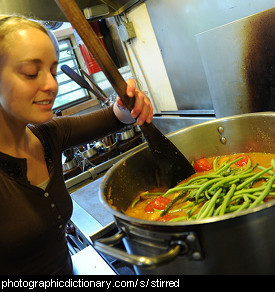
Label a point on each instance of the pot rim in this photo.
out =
(192, 222)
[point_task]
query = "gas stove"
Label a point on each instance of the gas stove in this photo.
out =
(103, 155)
(80, 233)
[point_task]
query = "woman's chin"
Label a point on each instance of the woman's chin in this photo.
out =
(41, 120)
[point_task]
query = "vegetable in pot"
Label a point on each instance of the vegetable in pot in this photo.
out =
(202, 165)
(228, 184)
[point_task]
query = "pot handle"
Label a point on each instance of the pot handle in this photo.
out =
(106, 246)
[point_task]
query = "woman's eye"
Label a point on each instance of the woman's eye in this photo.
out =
(28, 70)
(31, 76)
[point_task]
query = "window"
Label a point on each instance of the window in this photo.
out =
(69, 93)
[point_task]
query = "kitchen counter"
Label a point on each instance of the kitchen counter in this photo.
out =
(87, 197)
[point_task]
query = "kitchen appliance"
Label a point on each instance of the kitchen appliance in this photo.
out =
(230, 244)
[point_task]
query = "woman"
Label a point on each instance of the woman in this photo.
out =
(35, 205)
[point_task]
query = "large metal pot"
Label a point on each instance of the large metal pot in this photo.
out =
(230, 244)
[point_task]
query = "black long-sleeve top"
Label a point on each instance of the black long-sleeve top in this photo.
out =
(33, 221)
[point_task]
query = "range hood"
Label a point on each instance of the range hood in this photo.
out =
(48, 9)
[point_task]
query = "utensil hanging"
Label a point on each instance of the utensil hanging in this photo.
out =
(81, 81)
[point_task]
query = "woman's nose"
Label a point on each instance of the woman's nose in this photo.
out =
(50, 83)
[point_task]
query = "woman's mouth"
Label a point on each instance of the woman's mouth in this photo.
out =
(44, 104)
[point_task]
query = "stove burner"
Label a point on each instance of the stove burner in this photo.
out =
(103, 156)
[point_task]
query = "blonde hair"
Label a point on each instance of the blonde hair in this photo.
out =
(13, 23)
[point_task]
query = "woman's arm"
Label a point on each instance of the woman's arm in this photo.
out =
(81, 129)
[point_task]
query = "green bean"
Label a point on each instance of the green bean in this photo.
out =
(217, 211)
(204, 206)
(246, 170)
(187, 184)
(249, 163)
(228, 165)
(205, 176)
(192, 210)
(205, 185)
(246, 199)
(244, 205)
(226, 199)
(262, 168)
(206, 195)
(135, 202)
(192, 194)
(211, 204)
(172, 203)
(234, 181)
(251, 190)
(211, 211)
(251, 179)
(231, 209)
(181, 208)
(215, 163)
(152, 194)
(221, 166)
(183, 218)
(264, 193)
(253, 197)
(221, 182)
(179, 188)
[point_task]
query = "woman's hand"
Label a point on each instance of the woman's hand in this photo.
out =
(143, 109)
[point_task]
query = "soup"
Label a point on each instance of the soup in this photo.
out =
(221, 185)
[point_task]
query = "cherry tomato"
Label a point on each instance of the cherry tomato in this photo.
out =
(202, 165)
(159, 203)
(166, 217)
(243, 161)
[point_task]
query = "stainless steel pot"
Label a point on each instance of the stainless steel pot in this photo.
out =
(240, 243)
(89, 153)
(125, 135)
(69, 164)
(107, 143)
(109, 140)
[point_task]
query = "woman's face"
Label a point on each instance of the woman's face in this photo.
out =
(28, 85)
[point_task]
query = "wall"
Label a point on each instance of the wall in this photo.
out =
(175, 24)
(167, 50)
(148, 53)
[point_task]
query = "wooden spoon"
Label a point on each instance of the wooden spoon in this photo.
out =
(172, 164)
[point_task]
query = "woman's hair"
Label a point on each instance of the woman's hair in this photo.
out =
(12, 23)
